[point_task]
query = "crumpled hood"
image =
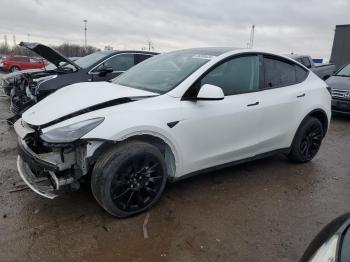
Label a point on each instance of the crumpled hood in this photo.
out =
(48, 53)
(339, 82)
(74, 98)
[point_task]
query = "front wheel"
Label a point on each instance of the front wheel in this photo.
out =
(307, 140)
(129, 179)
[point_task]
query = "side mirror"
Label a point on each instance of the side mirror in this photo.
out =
(210, 92)
(104, 71)
(332, 243)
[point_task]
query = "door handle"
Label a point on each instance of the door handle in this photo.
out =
(254, 104)
(302, 95)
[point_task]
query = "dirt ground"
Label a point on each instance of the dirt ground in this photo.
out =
(267, 210)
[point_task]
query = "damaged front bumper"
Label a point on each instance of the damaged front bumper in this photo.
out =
(46, 172)
(45, 186)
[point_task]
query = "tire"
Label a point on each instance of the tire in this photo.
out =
(307, 140)
(14, 68)
(129, 179)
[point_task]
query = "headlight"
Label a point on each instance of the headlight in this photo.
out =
(71, 132)
(328, 251)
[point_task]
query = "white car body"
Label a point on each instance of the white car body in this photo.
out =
(207, 134)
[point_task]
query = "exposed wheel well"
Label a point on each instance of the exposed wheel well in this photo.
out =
(322, 116)
(163, 147)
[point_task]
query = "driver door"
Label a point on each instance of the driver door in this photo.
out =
(120, 63)
(213, 133)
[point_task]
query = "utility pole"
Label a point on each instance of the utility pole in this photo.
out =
(14, 40)
(5, 38)
(150, 45)
(85, 29)
(28, 36)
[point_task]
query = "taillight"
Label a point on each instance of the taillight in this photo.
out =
(329, 90)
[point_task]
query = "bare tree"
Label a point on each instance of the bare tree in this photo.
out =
(66, 49)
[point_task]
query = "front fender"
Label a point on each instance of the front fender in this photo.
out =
(143, 130)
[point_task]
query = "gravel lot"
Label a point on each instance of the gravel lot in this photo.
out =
(267, 210)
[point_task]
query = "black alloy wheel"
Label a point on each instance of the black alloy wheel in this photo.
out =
(136, 183)
(311, 141)
(129, 178)
(307, 140)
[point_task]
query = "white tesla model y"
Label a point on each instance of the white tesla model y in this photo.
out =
(173, 115)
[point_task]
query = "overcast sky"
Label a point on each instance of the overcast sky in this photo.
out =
(299, 26)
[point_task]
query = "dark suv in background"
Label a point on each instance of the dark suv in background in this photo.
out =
(31, 87)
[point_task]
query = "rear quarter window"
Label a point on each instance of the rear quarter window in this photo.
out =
(279, 73)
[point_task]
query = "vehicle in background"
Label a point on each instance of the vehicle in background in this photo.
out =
(99, 66)
(340, 86)
(16, 78)
(172, 116)
(323, 71)
(332, 243)
(13, 63)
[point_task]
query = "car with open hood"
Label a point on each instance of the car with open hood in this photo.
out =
(340, 85)
(172, 116)
(33, 86)
(18, 78)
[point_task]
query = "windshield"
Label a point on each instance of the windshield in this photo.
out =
(91, 59)
(345, 71)
(162, 73)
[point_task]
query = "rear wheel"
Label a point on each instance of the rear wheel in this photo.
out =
(129, 179)
(14, 69)
(307, 140)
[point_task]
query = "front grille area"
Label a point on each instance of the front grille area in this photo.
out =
(341, 94)
(34, 142)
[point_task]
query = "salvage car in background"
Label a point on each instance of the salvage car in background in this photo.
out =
(324, 71)
(172, 116)
(12, 63)
(20, 79)
(99, 66)
(340, 85)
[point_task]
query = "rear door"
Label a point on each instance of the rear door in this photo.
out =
(282, 102)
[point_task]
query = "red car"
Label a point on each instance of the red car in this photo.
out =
(16, 63)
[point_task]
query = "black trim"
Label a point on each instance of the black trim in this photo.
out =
(110, 103)
(191, 92)
(233, 163)
(254, 104)
(172, 124)
(209, 99)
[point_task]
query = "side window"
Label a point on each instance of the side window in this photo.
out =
(21, 59)
(235, 76)
(300, 73)
(141, 57)
(119, 62)
(278, 73)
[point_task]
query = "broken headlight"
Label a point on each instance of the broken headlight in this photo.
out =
(71, 132)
